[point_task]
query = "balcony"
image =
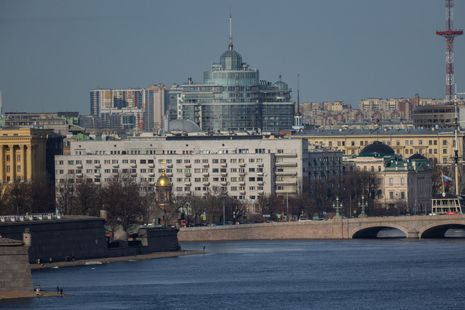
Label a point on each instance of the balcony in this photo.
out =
(224, 165)
(188, 174)
(242, 192)
(285, 191)
(260, 183)
(206, 183)
(187, 183)
(79, 175)
(284, 164)
(151, 174)
(224, 183)
(169, 166)
(151, 165)
(260, 174)
(242, 173)
(133, 165)
(79, 166)
(206, 165)
(187, 165)
(260, 165)
(289, 182)
(287, 173)
(242, 165)
(242, 183)
(287, 155)
(205, 174)
(224, 174)
(115, 166)
(169, 174)
(97, 165)
(97, 175)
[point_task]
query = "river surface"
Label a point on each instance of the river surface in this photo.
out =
(349, 274)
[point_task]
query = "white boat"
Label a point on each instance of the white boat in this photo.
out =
(96, 262)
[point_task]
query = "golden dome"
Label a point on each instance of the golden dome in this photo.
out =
(163, 181)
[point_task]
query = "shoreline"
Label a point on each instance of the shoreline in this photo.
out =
(21, 295)
(106, 260)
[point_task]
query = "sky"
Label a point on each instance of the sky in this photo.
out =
(52, 52)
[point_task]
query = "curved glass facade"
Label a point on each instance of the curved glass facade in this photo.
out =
(232, 97)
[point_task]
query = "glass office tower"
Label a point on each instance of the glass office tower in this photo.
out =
(232, 98)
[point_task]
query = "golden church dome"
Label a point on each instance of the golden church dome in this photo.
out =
(163, 181)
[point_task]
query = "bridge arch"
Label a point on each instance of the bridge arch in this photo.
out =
(439, 230)
(371, 231)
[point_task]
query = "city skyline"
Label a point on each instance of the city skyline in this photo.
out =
(53, 53)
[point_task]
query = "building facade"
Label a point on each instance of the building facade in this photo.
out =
(439, 116)
(436, 145)
(406, 183)
(157, 101)
(119, 108)
(245, 167)
(27, 153)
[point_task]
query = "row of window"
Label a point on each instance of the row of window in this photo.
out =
(388, 142)
(151, 161)
(18, 168)
(18, 158)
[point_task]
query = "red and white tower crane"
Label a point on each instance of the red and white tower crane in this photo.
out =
(449, 34)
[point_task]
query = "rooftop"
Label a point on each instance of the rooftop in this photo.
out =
(378, 131)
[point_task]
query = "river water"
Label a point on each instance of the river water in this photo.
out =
(313, 274)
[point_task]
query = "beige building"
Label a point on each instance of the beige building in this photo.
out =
(156, 107)
(23, 153)
(401, 182)
(436, 145)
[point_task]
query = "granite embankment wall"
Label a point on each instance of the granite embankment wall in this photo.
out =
(152, 240)
(83, 237)
(266, 231)
(67, 238)
(15, 272)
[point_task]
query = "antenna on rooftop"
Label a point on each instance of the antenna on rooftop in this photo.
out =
(230, 46)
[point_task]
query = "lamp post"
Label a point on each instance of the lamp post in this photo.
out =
(337, 206)
(363, 206)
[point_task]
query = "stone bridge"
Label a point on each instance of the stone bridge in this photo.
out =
(416, 227)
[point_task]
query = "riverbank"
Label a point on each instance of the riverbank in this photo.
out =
(21, 295)
(105, 260)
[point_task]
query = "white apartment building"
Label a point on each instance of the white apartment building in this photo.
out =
(243, 166)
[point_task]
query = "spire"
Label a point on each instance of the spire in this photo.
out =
(298, 94)
(230, 46)
(298, 118)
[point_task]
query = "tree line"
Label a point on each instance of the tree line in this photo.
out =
(125, 206)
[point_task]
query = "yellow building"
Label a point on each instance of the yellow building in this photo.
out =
(23, 153)
(436, 145)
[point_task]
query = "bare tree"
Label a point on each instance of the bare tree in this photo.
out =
(86, 199)
(65, 196)
(18, 197)
(122, 200)
(42, 193)
(270, 205)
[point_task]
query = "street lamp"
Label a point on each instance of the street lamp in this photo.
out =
(337, 206)
(363, 206)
